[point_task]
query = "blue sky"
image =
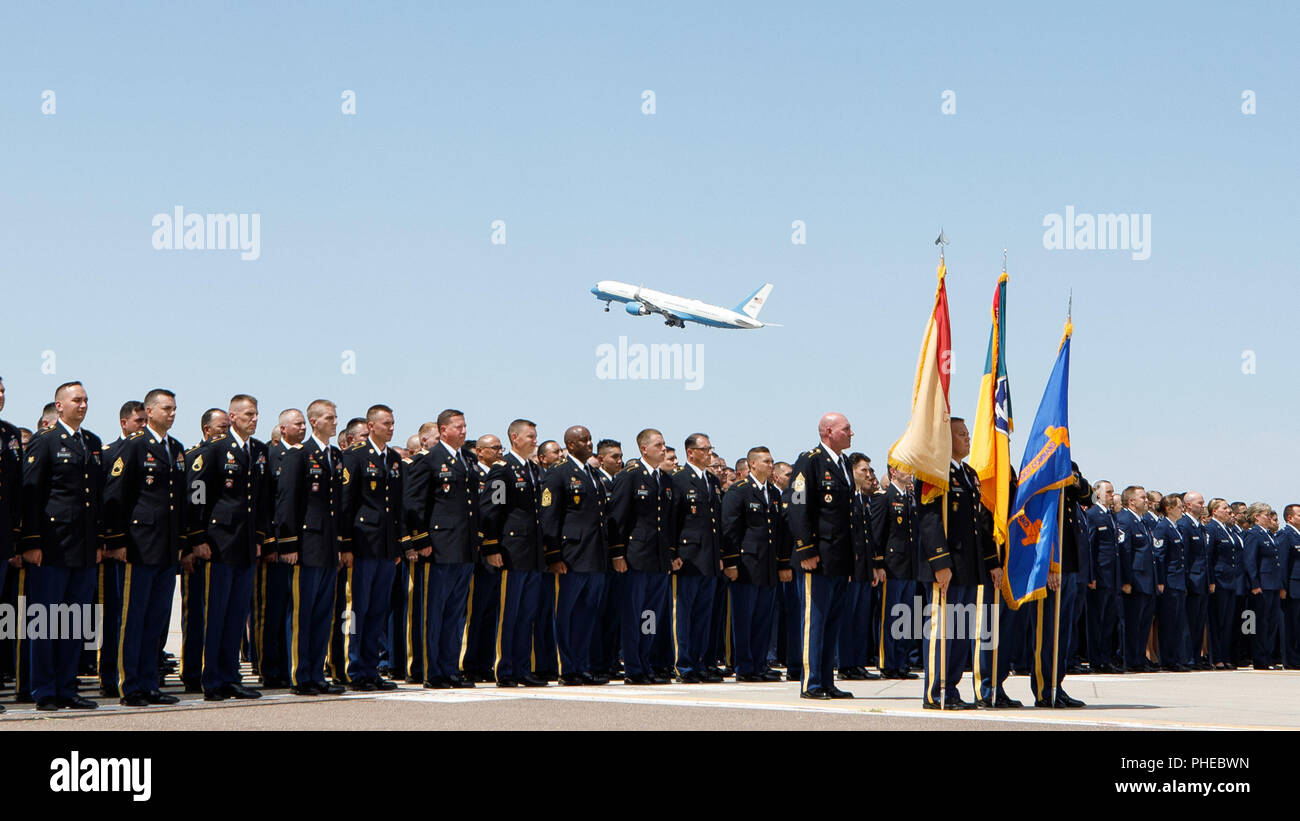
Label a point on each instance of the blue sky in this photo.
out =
(376, 227)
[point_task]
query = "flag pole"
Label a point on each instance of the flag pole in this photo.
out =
(1056, 625)
(943, 609)
(997, 588)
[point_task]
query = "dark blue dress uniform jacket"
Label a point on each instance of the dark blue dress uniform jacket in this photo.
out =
(372, 520)
(641, 509)
(11, 482)
(965, 550)
(696, 522)
(230, 500)
(309, 504)
(512, 515)
(820, 511)
(1137, 561)
(755, 539)
(1263, 560)
(145, 499)
(575, 525)
(441, 507)
(1103, 541)
(62, 498)
(893, 531)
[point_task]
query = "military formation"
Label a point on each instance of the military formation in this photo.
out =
(333, 559)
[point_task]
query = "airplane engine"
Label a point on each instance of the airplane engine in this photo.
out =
(636, 309)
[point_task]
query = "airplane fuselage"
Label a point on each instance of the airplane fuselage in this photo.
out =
(676, 310)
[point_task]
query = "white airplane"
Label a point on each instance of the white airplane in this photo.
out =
(678, 310)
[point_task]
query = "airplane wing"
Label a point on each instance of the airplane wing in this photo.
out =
(672, 318)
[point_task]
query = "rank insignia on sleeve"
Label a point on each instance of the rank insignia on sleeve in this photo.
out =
(799, 483)
(198, 463)
(347, 477)
(900, 520)
(118, 467)
(373, 485)
(546, 497)
(1158, 542)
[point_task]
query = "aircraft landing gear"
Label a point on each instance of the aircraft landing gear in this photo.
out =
(606, 307)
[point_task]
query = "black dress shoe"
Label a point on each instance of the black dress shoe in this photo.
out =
(363, 685)
(383, 684)
(1063, 700)
(507, 682)
(159, 697)
(956, 703)
(658, 679)
(836, 692)
(276, 683)
(135, 700)
(817, 693)
(530, 680)
(215, 695)
(438, 683)
(868, 675)
(240, 691)
(749, 678)
(691, 677)
(1004, 701)
(79, 703)
(307, 689)
(595, 678)
(794, 675)
(326, 689)
(712, 675)
(460, 683)
(771, 675)
(48, 703)
(984, 702)
(192, 686)
(852, 674)
(572, 680)
(637, 678)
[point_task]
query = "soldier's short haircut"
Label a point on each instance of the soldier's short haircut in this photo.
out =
(284, 414)
(373, 411)
(1215, 502)
(779, 464)
(693, 441)
(427, 426)
(643, 438)
(49, 408)
(517, 427)
(1238, 505)
(956, 419)
(1288, 510)
(856, 457)
(130, 409)
(353, 423)
(448, 415)
(1129, 493)
(242, 397)
(152, 397)
(1096, 489)
(208, 414)
(669, 449)
(750, 455)
(65, 386)
(317, 406)
(1168, 502)
(547, 444)
(607, 444)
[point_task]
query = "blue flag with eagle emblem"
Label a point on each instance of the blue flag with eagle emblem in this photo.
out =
(1034, 530)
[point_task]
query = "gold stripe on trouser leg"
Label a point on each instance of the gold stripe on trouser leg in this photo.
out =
(1038, 648)
(501, 619)
(464, 634)
(424, 621)
(934, 638)
(676, 652)
(18, 643)
(207, 594)
(555, 616)
(349, 625)
(121, 634)
(978, 641)
(807, 627)
(264, 576)
(726, 633)
(99, 651)
(880, 656)
(293, 644)
(329, 641)
(410, 618)
(185, 618)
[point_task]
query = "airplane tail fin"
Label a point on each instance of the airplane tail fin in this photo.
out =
(751, 306)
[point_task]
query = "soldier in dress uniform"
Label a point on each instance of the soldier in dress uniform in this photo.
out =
(576, 534)
(130, 418)
(1223, 548)
(441, 500)
(545, 657)
(756, 546)
(62, 536)
(609, 464)
(952, 564)
(1198, 580)
(512, 541)
(1170, 550)
(1102, 615)
(819, 509)
(214, 423)
(480, 651)
(406, 626)
(372, 542)
(856, 638)
(144, 509)
(697, 541)
(641, 508)
(1288, 542)
(308, 537)
(1045, 686)
(11, 480)
(1138, 574)
(1264, 579)
(272, 582)
(229, 526)
(894, 531)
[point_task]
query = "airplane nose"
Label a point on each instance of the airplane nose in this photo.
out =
(595, 291)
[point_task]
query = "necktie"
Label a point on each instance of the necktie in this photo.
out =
(328, 464)
(844, 466)
(81, 443)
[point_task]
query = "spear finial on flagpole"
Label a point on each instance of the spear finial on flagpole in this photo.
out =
(1004, 260)
(941, 241)
(1069, 305)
